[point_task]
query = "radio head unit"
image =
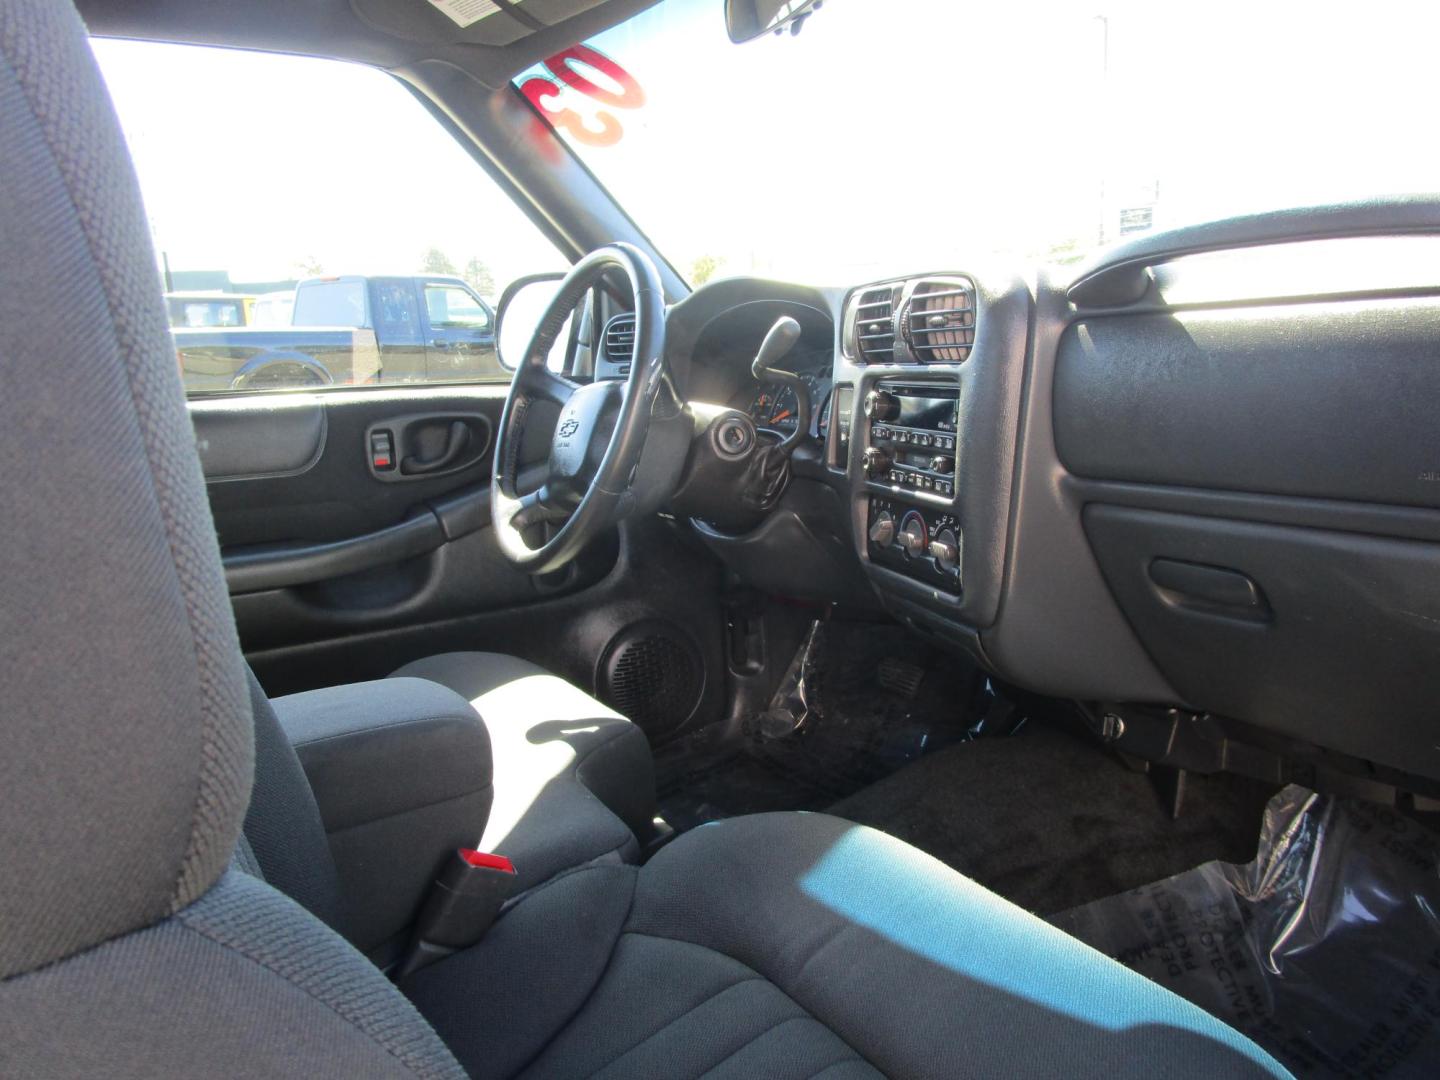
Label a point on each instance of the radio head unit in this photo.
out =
(912, 435)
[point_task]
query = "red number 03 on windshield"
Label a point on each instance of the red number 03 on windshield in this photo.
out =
(599, 127)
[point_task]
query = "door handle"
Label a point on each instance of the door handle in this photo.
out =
(455, 443)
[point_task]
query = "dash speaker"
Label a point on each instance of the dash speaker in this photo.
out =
(652, 674)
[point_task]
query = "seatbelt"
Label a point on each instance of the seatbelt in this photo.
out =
(464, 900)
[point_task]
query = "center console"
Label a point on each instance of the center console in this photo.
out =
(912, 432)
(937, 362)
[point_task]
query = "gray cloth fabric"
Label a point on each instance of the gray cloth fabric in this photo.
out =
(376, 749)
(127, 726)
(400, 771)
(243, 983)
(574, 780)
(503, 1000)
(285, 833)
(800, 944)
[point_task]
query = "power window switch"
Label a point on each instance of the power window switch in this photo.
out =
(382, 451)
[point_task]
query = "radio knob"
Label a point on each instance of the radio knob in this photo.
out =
(877, 461)
(912, 538)
(942, 465)
(883, 530)
(945, 550)
(880, 405)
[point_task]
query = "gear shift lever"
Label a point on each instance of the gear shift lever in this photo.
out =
(779, 341)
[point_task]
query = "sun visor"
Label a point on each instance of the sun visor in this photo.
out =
(494, 23)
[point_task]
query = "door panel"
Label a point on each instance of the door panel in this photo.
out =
(339, 572)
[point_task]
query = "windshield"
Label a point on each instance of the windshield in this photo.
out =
(922, 135)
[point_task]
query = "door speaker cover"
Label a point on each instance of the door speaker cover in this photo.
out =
(651, 673)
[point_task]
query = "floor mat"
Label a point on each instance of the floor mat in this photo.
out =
(1325, 949)
(859, 701)
(1050, 820)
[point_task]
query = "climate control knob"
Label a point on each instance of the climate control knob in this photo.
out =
(880, 405)
(945, 550)
(882, 530)
(877, 461)
(912, 536)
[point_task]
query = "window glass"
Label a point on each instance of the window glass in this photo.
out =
(902, 137)
(288, 231)
(329, 303)
(455, 309)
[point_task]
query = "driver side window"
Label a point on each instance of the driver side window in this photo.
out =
(305, 215)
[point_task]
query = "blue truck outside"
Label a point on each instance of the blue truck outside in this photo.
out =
(351, 330)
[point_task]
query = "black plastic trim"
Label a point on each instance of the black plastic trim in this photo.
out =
(280, 566)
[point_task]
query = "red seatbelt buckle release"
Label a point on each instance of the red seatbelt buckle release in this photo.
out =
(464, 901)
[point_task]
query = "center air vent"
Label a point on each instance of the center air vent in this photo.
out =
(875, 324)
(620, 339)
(940, 321)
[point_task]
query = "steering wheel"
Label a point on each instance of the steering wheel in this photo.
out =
(595, 450)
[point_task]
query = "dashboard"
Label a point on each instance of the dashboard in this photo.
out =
(1097, 494)
(774, 407)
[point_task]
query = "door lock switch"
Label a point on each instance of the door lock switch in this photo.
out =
(382, 451)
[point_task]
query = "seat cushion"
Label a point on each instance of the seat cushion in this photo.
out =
(574, 780)
(800, 945)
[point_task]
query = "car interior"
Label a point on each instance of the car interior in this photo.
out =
(984, 667)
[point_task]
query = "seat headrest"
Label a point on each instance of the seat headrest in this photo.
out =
(126, 759)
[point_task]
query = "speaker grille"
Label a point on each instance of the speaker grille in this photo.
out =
(651, 674)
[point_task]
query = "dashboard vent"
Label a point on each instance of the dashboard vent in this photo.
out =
(620, 339)
(940, 321)
(875, 324)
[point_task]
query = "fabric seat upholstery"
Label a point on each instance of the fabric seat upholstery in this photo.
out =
(128, 947)
(800, 945)
(574, 780)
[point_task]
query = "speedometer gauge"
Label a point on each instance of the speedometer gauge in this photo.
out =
(774, 407)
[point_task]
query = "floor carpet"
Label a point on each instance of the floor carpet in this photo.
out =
(861, 701)
(1050, 820)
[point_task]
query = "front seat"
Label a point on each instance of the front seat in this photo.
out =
(130, 946)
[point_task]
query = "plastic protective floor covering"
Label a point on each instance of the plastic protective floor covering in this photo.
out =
(1325, 949)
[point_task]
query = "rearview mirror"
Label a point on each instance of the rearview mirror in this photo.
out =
(750, 19)
(518, 314)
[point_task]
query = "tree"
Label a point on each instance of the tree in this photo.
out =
(435, 261)
(308, 266)
(478, 275)
(703, 269)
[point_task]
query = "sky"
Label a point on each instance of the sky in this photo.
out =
(885, 138)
